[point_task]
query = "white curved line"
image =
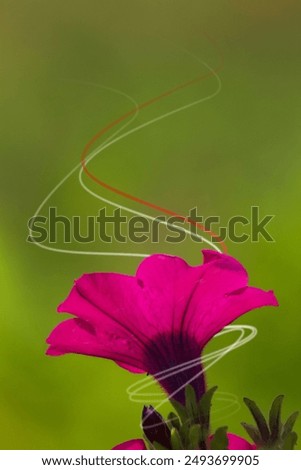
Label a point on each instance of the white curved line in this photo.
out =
(62, 181)
(138, 128)
(247, 333)
(210, 358)
(108, 142)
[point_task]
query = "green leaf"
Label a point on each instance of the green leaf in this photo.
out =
(157, 446)
(290, 441)
(274, 417)
(184, 430)
(148, 444)
(194, 436)
(205, 407)
(180, 409)
(290, 423)
(173, 421)
(176, 441)
(220, 439)
(191, 402)
(259, 419)
(253, 433)
(153, 445)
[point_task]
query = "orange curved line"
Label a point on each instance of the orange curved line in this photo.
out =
(135, 198)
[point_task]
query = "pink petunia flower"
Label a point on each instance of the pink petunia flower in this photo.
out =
(134, 444)
(239, 443)
(158, 319)
(234, 443)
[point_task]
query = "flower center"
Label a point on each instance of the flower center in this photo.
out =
(174, 361)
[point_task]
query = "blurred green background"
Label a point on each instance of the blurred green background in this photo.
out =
(241, 148)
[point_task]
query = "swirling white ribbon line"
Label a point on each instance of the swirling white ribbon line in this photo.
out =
(247, 333)
(106, 144)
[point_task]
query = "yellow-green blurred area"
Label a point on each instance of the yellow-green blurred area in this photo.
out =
(238, 149)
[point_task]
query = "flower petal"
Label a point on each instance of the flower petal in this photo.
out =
(211, 255)
(222, 295)
(113, 299)
(138, 307)
(168, 282)
(238, 443)
(134, 444)
(208, 319)
(77, 336)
